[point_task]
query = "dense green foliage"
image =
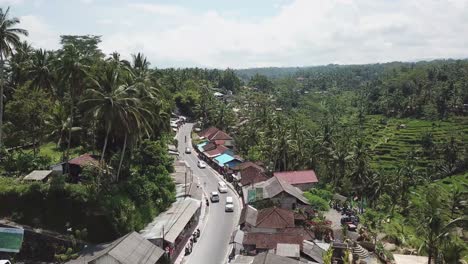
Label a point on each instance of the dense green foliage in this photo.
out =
(63, 103)
(375, 132)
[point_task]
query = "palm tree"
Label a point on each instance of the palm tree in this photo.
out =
(19, 63)
(106, 101)
(72, 67)
(9, 40)
(122, 107)
(41, 71)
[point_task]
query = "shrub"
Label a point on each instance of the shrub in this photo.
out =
(317, 202)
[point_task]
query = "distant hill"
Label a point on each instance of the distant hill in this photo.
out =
(282, 72)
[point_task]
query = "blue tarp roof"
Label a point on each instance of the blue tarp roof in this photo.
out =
(224, 158)
(201, 145)
(233, 163)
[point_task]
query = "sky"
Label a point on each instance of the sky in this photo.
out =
(255, 33)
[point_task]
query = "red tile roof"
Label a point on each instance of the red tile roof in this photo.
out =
(208, 132)
(209, 146)
(246, 165)
(274, 217)
(219, 142)
(220, 135)
(270, 241)
(306, 234)
(215, 152)
(85, 159)
(252, 175)
(297, 177)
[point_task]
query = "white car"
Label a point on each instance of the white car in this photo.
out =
(229, 207)
(222, 187)
(5, 262)
(214, 197)
(201, 164)
(188, 150)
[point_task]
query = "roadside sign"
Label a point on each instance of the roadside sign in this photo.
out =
(11, 239)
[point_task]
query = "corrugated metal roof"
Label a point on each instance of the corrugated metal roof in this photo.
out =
(173, 221)
(224, 158)
(129, 249)
(288, 250)
(37, 175)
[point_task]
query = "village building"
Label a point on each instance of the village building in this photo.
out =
(269, 220)
(76, 165)
(217, 136)
(276, 190)
(129, 249)
(303, 180)
(258, 242)
(173, 228)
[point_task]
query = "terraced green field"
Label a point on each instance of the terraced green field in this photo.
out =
(391, 141)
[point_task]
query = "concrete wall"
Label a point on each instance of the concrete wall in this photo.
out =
(304, 186)
(285, 201)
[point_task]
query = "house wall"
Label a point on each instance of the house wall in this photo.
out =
(105, 259)
(285, 201)
(229, 143)
(304, 186)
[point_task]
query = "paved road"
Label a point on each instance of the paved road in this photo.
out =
(214, 241)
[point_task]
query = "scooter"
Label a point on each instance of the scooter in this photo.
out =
(207, 202)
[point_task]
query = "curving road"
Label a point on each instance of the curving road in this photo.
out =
(212, 247)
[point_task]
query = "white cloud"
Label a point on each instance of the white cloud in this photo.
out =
(40, 34)
(159, 9)
(304, 32)
(11, 2)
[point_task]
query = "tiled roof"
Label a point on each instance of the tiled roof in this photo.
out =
(246, 165)
(220, 135)
(297, 177)
(216, 152)
(85, 159)
(270, 240)
(209, 146)
(219, 142)
(274, 217)
(252, 175)
(208, 132)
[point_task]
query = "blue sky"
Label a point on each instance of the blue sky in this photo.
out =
(255, 33)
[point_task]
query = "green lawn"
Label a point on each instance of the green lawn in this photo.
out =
(50, 150)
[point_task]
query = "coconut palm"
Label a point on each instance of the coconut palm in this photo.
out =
(9, 40)
(19, 63)
(123, 108)
(41, 71)
(72, 67)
